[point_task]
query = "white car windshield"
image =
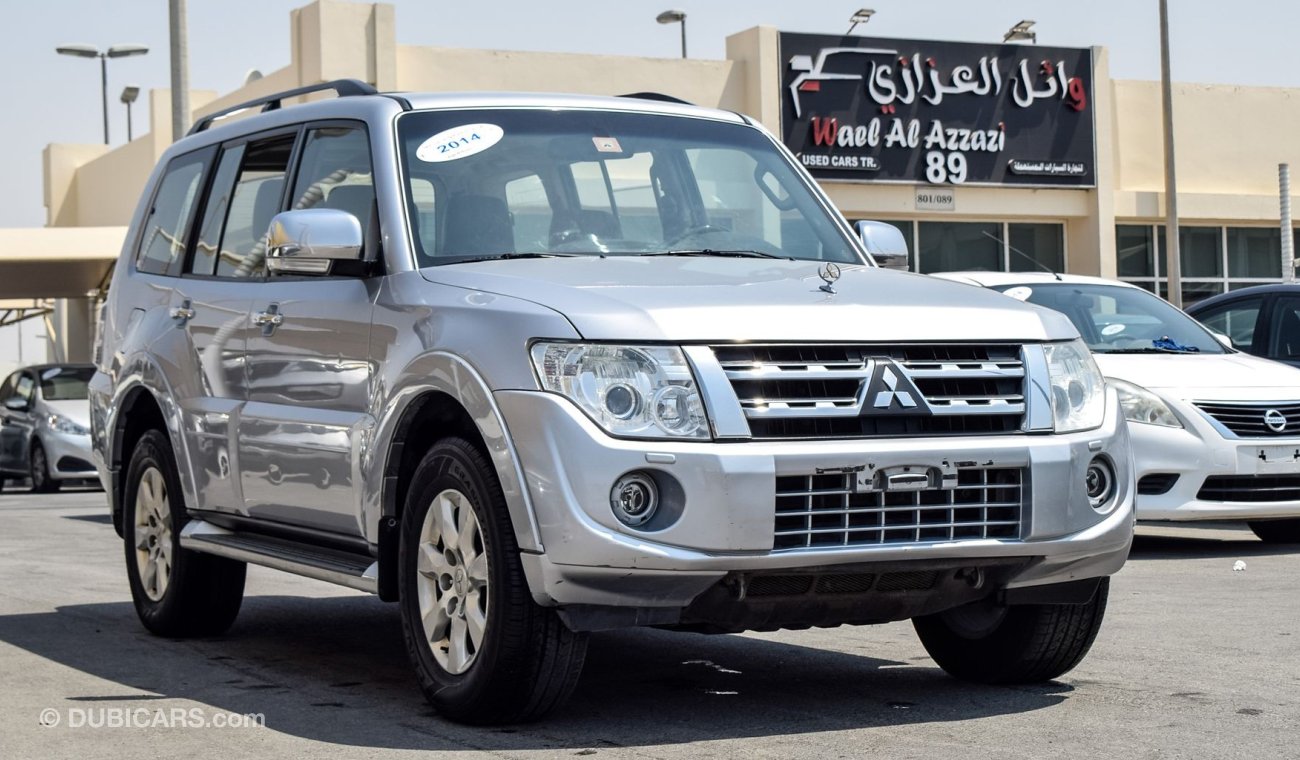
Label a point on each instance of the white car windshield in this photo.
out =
(1117, 320)
(511, 183)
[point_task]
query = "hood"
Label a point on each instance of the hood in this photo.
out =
(1209, 377)
(702, 299)
(77, 410)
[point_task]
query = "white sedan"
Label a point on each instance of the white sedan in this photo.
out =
(1216, 432)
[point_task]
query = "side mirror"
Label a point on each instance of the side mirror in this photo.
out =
(1225, 340)
(16, 404)
(885, 243)
(310, 240)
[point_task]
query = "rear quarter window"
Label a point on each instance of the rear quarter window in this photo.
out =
(165, 231)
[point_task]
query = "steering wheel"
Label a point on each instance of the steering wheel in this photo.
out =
(699, 229)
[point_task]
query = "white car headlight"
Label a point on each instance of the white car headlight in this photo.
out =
(1141, 405)
(1078, 389)
(64, 425)
(634, 391)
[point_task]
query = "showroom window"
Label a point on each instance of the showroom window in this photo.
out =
(983, 246)
(1214, 259)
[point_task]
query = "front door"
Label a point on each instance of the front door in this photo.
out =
(16, 422)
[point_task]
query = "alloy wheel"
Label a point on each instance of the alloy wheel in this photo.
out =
(452, 584)
(153, 534)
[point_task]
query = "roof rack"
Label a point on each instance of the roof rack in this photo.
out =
(659, 96)
(341, 87)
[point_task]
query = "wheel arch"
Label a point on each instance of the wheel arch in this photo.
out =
(141, 402)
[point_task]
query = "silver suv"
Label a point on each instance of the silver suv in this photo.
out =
(538, 365)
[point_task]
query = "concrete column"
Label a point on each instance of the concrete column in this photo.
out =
(1090, 239)
(73, 321)
(757, 51)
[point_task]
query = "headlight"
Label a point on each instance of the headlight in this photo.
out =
(635, 391)
(64, 425)
(1078, 390)
(1141, 405)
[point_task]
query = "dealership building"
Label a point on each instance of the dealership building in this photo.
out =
(987, 156)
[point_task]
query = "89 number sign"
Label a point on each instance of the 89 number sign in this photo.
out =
(941, 167)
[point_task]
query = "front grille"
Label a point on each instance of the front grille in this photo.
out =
(824, 511)
(832, 391)
(1247, 420)
(1250, 488)
(1157, 483)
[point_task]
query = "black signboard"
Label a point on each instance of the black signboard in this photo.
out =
(873, 109)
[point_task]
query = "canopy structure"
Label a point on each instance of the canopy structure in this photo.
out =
(57, 262)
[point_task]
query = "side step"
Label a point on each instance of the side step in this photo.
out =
(330, 565)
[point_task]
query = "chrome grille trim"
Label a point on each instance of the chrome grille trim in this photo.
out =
(807, 383)
(815, 512)
(1246, 419)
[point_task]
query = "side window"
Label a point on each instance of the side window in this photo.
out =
(255, 199)
(1284, 333)
(25, 386)
(207, 250)
(1235, 320)
(166, 227)
(335, 173)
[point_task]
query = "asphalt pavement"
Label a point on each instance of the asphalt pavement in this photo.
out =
(1195, 659)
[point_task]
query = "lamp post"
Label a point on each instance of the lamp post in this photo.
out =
(862, 16)
(675, 17)
(1173, 263)
(129, 94)
(90, 51)
(1021, 32)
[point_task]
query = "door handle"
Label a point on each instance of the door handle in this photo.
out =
(182, 313)
(269, 320)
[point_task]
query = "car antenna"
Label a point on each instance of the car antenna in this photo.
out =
(1024, 255)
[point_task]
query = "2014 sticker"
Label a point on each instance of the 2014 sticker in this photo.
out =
(459, 142)
(1020, 292)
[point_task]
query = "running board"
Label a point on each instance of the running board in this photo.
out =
(323, 564)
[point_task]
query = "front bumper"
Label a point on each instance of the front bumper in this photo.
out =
(727, 524)
(69, 455)
(1200, 450)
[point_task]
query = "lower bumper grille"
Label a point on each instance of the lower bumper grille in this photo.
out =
(1157, 483)
(824, 511)
(1250, 488)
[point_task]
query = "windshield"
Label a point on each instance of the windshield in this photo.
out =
(502, 183)
(1115, 319)
(65, 383)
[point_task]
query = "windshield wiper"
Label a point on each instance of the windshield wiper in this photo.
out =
(1145, 350)
(504, 256)
(739, 254)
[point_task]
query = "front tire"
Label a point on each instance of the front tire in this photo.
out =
(484, 652)
(988, 643)
(1276, 531)
(177, 592)
(42, 482)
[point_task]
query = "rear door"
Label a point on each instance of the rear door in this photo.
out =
(212, 301)
(11, 438)
(308, 363)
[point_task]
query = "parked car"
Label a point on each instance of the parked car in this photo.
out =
(1263, 320)
(45, 425)
(538, 365)
(1217, 431)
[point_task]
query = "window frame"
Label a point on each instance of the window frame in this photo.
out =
(1263, 318)
(911, 229)
(1159, 280)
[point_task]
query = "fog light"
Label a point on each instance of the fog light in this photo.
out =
(1099, 482)
(634, 499)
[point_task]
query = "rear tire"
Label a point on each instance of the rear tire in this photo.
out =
(1276, 531)
(484, 652)
(987, 643)
(177, 592)
(42, 482)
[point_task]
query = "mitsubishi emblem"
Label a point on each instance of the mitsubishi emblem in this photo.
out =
(829, 273)
(887, 397)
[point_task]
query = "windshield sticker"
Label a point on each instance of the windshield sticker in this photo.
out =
(51, 373)
(1020, 293)
(459, 142)
(607, 145)
(1113, 329)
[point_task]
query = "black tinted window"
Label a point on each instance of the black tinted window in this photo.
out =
(335, 172)
(166, 226)
(256, 198)
(206, 252)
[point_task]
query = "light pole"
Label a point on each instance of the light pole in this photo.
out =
(675, 17)
(129, 94)
(1021, 32)
(862, 16)
(90, 51)
(1173, 264)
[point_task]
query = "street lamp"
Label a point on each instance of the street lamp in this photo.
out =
(90, 51)
(1020, 32)
(675, 17)
(129, 94)
(861, 17)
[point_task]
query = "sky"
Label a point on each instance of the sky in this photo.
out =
(53, 98)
